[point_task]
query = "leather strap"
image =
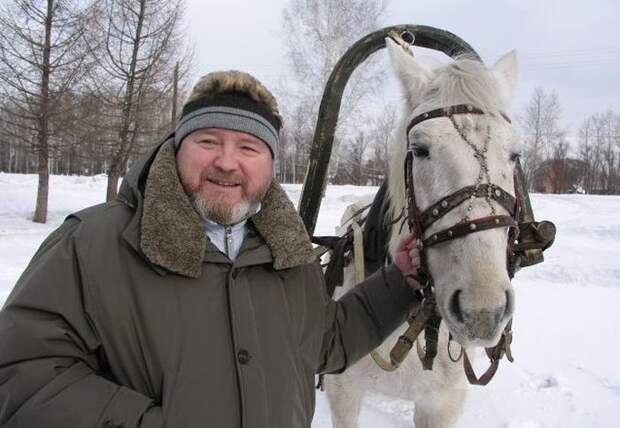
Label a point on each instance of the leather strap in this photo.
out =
(417, 323)
(358, 252)
(495, 354)
(486, 376)
(472, 226)
(447, 204)
(414, 220)
(447, 112)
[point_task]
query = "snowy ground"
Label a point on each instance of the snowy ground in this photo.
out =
(567, 322)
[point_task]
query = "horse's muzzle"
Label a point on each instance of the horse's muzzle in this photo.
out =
(480, 327)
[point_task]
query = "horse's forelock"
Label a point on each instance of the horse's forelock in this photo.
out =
(466, 81)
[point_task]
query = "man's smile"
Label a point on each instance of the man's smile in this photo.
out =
(223, 183)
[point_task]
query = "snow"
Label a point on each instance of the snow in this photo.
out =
(567, 322)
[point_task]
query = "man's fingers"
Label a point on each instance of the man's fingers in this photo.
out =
(412, 243)
(413, 276)
(413, 281)
(407, 258)
(405, 242)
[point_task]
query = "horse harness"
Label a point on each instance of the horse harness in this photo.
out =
(526, 241)
(427, 317)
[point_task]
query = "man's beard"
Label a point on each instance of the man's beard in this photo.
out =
(219, 211)
(215, 207)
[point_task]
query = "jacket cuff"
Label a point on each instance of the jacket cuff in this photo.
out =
(390, 297)
(127, 408)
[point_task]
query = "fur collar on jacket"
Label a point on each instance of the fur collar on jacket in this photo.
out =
(172, 235)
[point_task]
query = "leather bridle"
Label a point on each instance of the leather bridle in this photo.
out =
(419, 221)
(427, 317)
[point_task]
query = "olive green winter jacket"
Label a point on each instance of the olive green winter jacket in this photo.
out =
(127, 316)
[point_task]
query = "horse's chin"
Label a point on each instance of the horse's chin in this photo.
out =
(475, 339)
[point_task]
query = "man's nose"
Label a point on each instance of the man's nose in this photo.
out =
(227, 159)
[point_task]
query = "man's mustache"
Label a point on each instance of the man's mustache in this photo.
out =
(214, 175)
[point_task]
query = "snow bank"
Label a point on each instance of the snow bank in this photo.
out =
(567, 322)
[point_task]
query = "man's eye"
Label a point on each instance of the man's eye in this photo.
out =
(207, 142)
(250, 149)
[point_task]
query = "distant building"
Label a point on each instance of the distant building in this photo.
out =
(558, 176)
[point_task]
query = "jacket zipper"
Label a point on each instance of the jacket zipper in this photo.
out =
(234, 344)
(228, 240)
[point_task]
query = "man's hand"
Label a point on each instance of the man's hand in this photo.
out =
(407, 260)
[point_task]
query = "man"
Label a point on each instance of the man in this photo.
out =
(194, 299)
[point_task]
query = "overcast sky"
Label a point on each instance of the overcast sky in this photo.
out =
(569, 46)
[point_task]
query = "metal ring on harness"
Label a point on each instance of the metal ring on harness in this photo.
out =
(461, 352)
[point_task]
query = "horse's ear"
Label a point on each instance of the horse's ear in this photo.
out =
(411, 74)
(506, 69)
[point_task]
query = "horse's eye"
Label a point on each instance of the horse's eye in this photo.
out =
(515, 156)
(420, 151)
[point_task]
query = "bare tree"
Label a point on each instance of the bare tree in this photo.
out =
(609, 137)
(599, 151)
(316, 34)
(541, 130)
(42, 56)
(143, 43)
(587, 154)
(352, 168)
(382, 134)
(15, 141)
(295, 139)
(560, 167)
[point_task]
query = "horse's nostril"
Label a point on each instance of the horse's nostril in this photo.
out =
(455, 306)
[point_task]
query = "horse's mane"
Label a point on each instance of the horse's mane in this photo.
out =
(466, 81)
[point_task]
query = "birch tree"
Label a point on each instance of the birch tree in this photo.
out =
(541, 130)
(316, 33)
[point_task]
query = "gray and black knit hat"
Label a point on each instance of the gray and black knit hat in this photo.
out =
(231, 100)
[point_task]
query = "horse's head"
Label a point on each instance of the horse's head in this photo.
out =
(471, 280)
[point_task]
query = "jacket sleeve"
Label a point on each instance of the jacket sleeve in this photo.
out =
(363, 318)
(49, 367)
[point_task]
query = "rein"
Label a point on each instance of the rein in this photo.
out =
(427, 318)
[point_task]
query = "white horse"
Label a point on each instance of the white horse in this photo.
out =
(472, 285)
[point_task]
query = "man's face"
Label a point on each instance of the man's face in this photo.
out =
(225, 173)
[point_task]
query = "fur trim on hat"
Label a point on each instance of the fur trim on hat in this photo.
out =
(234, 81)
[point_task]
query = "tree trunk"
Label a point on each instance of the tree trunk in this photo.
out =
(120, 159)
(112, 188)
(40, 212)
